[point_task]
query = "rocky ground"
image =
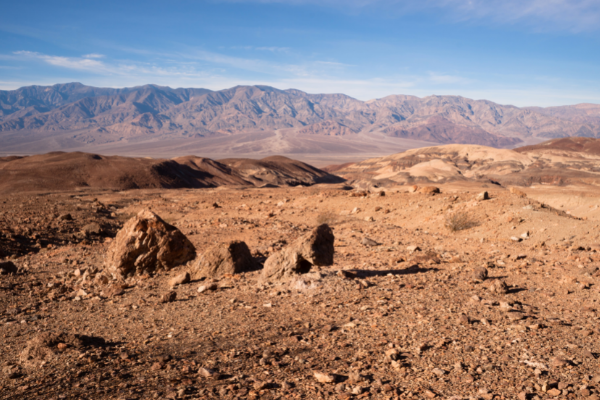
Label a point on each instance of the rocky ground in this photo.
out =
(414, 307)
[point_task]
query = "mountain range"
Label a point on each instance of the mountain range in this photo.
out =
(262, 120)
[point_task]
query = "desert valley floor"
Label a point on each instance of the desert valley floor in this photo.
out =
(410, 309)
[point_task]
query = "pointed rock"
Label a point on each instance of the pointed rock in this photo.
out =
(147, 244)
(314, 248)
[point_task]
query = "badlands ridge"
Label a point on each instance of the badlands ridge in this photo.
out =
(440, 273)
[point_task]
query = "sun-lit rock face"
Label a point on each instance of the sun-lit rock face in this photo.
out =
(147, 244)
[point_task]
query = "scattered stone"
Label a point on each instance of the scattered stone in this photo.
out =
(354, 378)
(207, 287)
(482, 196)
(430, 190)
(114, 290)
(314, 248)
(147, 244)
(65, 217)
(558, 362)
(504, 306)
(498, 286)
(412, 249)
(226, 258)
(180, 279)
(209, 373)
(392, 354)
(369, 242)
(168, 297)
(8, 267)
(480, 274)
(323, 377)
(92, 229)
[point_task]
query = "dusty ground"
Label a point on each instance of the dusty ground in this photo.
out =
(403, 323)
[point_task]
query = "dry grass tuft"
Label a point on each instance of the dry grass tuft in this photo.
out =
(460, 221)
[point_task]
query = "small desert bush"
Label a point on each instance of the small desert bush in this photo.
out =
(460, 221)
(327, 217)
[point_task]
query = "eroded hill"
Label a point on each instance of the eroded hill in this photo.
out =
(69, 171)
(556, 162)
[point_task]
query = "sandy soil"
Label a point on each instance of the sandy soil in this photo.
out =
(399, 322)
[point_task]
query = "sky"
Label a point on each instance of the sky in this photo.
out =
(519, 52)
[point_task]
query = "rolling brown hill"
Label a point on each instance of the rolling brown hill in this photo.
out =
(555, 162)
(71, 171)
(160, 121)
(571, 146)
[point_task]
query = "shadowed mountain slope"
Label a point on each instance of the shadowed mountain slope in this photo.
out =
(69, 171)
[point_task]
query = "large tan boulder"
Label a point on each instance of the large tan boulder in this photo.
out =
(314, 248)
(147, 244)
(226, 258)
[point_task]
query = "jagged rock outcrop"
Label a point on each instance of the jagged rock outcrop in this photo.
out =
(226, 258)
(314, 248)
(147, 244)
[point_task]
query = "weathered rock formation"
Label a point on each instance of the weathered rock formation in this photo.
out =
(314, 248)
(147, 244)
(225, 258)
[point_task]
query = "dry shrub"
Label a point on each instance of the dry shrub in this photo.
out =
(460, 221)
(327, 217)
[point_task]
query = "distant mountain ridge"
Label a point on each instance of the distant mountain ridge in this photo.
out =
(265, 120)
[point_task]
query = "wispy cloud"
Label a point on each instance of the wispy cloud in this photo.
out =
(272, 49)
(93, 55)
(574, 15)
(214, 71)
(76, 63)
(447, 79)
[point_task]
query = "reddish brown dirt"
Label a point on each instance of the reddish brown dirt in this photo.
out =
(398, 323)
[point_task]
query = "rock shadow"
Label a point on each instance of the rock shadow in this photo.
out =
(413, 269)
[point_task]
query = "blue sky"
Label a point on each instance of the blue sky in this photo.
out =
(521, 52)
